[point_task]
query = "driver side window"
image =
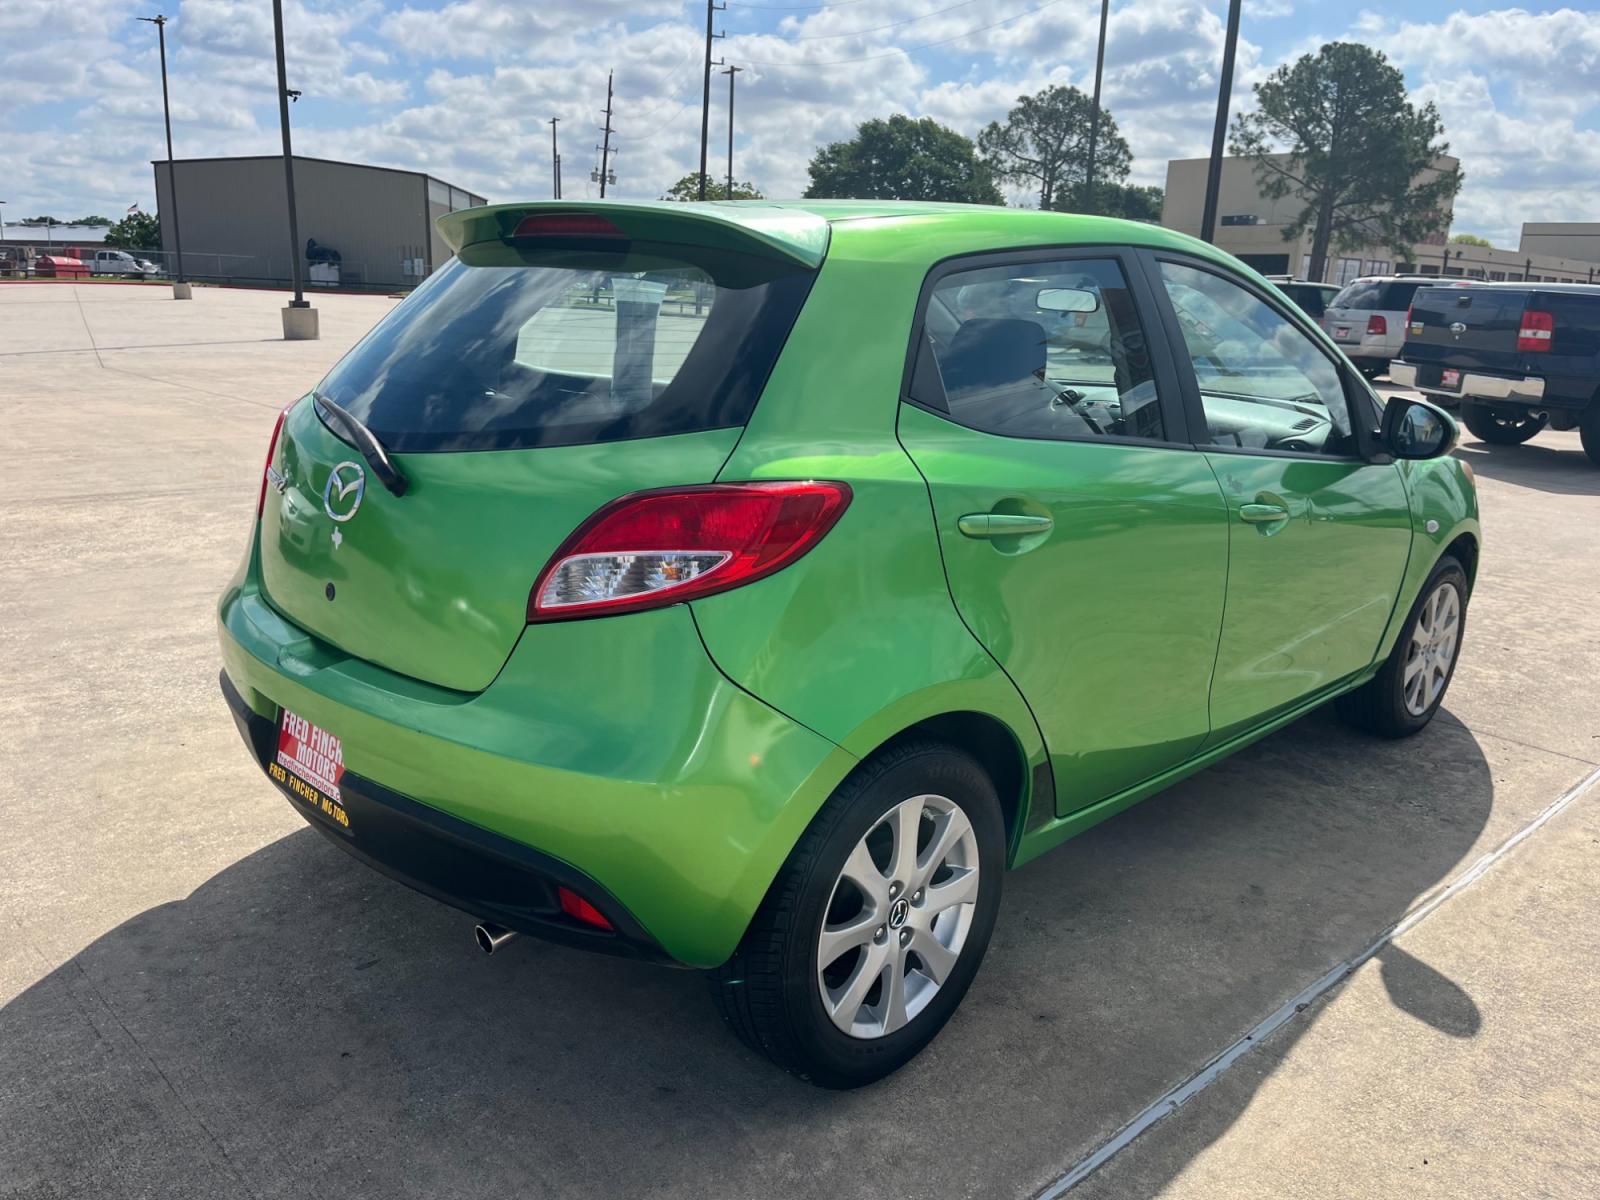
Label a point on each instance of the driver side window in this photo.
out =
(1039, 350)
(1263, 383)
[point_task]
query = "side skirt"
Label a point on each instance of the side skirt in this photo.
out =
(1051, 834)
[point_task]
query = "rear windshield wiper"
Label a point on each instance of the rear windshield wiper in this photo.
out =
(364, 440)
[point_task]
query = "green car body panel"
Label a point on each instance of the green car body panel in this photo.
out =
(675, 756)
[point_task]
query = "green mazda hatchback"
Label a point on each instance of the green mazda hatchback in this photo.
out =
(749, 586)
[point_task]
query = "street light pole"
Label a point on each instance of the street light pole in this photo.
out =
(299, 318)
(712, 8)
(1219, 135)
(1094, 119)
(555, 160)
(730, 73)
(180, 286)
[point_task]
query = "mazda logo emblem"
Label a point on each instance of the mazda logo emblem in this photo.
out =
(341, 496)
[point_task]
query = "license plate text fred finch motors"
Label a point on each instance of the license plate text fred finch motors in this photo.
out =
(309, 765)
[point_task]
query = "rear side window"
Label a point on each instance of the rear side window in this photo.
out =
(566, 348)
(1039, 350)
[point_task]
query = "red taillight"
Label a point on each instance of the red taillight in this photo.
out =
(662, 547)
(272, 448)
(1377, 325)
(579, 909)
(1537, 330)
(573, 225)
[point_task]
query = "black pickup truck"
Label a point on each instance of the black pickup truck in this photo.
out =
(1517, 356)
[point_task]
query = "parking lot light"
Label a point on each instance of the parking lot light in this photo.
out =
(180, 286)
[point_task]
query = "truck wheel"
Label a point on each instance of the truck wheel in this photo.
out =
(1589, 430)
(1500, 427)
(875, 927)
(1402, 697)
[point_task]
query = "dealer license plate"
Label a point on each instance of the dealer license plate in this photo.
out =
(1450, 379)
(309, 765)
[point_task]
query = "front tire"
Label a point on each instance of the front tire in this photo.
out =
(876, 925)
(1402, 697)
(1502, 427)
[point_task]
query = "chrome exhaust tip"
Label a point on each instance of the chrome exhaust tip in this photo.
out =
(491, 937)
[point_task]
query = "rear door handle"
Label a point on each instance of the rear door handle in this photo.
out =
(996, 525)
(1263, 514)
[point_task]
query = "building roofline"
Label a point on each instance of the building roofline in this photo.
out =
(337, 162)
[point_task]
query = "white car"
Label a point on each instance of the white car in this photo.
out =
(1368, 319)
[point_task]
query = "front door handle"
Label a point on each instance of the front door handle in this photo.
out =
(998, 525)
(1263, 514)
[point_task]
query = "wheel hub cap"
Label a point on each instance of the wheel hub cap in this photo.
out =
(898, 918)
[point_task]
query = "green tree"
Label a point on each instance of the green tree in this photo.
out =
(1471, 239)
(95, 221)
(41, 221)
(1126, 200)
(1044, 140)
(903, 159)
(1359, 153)
(688, 188)
(136, 231)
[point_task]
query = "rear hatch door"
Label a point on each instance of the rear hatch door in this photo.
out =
(559, 362)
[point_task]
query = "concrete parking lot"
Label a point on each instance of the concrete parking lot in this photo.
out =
(200, 997)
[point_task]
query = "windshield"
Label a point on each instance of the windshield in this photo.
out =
(568, 348)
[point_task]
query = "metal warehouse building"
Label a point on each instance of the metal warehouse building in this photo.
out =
(233, 219)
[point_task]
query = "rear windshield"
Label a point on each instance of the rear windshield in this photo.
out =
(1376, 294)
(567, 348)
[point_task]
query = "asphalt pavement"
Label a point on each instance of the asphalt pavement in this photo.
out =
(199, 997)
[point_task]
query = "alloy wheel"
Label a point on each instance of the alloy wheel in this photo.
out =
(1432, 651)
(898, 917)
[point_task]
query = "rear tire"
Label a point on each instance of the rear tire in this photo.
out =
(1503, 428)
(1589, 430)
(797, 990)
(1390, 704)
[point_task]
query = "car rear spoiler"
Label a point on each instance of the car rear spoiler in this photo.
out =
(769, 230)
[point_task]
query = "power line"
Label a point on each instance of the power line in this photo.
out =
(898, 51)
(795, 7)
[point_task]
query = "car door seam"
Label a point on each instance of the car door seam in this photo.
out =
(1227, 571)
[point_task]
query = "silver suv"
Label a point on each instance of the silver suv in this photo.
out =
(1368, 318)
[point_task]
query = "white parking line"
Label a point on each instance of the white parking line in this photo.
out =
(1214, 1069)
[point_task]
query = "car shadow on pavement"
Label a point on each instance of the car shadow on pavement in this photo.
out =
(301, 1026)
(1562, 470)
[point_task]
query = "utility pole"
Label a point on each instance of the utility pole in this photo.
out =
(605, 143)
(299, 318)
(1219, 135)
(180, 286)
(712, 8)
(555, 161)
(730, 73)
(1094, 119)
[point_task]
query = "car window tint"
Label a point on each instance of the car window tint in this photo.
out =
(1039, 350)
(1264, 384)
(1360, 294)
(1397, 296)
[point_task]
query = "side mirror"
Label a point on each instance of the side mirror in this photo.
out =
(1416, 429)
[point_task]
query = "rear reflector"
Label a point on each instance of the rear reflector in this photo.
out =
(656, 548)
(1378, 325)
(1536, 332)
(272, 448)
(579, 909)
(571, 225)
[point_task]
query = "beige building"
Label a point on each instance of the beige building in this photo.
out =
(234, 220)
(1251, 227)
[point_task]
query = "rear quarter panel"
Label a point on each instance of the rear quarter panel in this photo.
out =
(859, 639)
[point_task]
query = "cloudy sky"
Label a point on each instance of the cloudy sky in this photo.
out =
(463, 88)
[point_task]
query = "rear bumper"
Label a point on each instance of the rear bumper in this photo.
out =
(1475, 385)
(488, 876)
(610, 755)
